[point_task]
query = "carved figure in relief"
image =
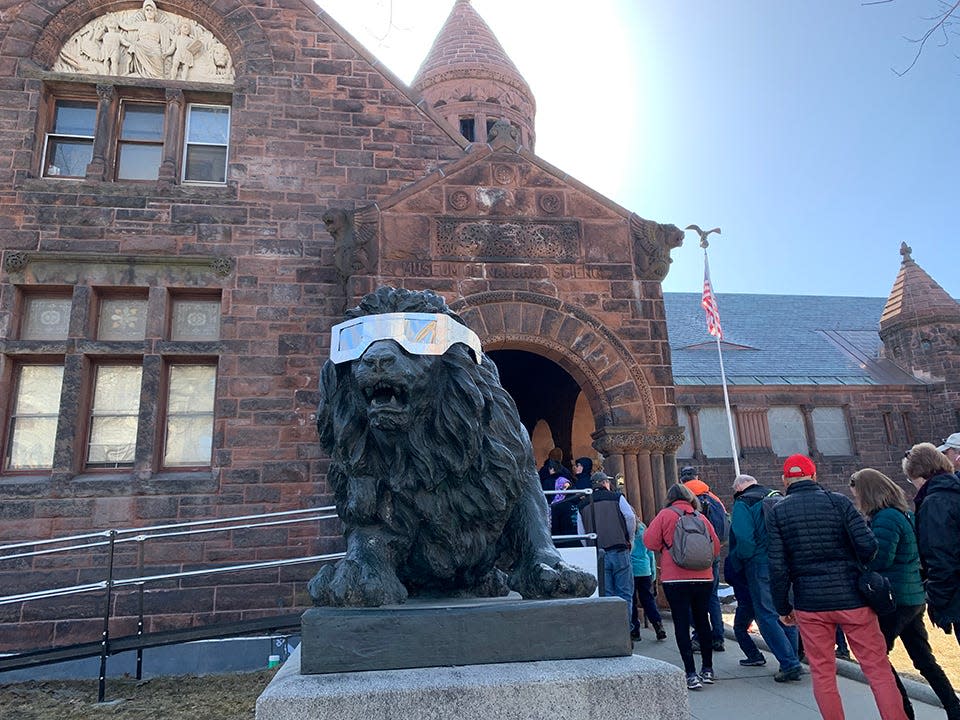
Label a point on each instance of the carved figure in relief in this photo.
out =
(184, 49)
(113, 44)
(84, 51)
(150, 44)
(221, 59)
(431, 469)
(146, 43)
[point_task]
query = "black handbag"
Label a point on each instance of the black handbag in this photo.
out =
(876, 591)
(874, 588)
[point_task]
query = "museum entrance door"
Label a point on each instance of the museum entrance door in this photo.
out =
(551, 404)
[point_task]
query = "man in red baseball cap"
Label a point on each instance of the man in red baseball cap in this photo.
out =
(828, 541)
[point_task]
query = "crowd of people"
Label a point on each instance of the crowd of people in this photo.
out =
(812, 569)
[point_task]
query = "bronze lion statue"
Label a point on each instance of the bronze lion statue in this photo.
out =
(432, 472)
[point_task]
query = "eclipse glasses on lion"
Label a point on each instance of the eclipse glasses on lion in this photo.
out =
(417, 333)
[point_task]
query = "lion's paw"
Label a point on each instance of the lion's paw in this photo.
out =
(552, 579)
(353, 584)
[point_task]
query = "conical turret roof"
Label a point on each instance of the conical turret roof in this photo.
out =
(467, 47)
(916, 296)
(469, 79)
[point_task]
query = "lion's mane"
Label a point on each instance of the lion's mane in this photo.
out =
(446, 487)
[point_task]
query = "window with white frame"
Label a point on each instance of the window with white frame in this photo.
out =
(69, 141)
(788, 434)
(206, 145)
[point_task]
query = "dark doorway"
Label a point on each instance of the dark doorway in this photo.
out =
(542, 390)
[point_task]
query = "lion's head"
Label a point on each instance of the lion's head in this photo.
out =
(418, 419)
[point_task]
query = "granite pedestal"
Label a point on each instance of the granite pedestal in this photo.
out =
(462, 632)
(491, 659)
(611, 688)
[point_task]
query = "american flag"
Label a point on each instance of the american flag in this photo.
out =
(709, 303)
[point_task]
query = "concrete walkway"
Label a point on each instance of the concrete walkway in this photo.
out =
(750, 692)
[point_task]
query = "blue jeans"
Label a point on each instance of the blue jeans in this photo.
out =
(781, 640)
(618, 577)
(741, 620)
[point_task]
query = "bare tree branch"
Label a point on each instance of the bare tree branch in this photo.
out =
(941, 25)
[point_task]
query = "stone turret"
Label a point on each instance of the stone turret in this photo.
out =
(468, 79)
(920, 324)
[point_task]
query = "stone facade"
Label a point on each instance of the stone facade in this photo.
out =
(338, 179)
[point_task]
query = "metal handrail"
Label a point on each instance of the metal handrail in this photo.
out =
(196, 527)
(129, 531)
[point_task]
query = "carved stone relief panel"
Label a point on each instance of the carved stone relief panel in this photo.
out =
(520, 239)
(146, 43)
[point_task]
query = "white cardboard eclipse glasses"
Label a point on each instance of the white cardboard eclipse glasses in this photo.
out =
(417, 333)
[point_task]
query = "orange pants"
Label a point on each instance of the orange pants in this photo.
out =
(819, 631)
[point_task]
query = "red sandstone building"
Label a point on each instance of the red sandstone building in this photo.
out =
(193, 193)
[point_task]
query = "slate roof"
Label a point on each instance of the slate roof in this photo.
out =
(783, 340)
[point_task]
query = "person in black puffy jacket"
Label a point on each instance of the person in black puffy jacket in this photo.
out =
(938, 532)
(816, 542)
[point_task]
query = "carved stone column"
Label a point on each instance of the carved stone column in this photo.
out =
(643, 456)
(172, 138)
(621, 445)
(97, 167)
(647, 486)
(663, 445)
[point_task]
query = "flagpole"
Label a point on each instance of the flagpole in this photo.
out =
(726, 403)
(714, 328)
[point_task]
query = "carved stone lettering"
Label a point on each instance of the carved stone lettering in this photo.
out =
(555, 241)
(146, 43)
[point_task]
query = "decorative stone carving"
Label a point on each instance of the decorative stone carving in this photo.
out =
(503, 134)
(351, 252)
(221, 265)
(146, 43)
(652, 243)
(625, 441)
(15, 262)
(459, 200)
(519, 239)
(503, 174)
(550, 203)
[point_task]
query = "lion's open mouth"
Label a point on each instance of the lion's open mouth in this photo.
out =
(386, 396)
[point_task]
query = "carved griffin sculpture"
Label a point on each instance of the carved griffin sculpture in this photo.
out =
(432, 472)
(652, 243)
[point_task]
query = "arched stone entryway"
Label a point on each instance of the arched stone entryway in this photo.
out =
(620, 398)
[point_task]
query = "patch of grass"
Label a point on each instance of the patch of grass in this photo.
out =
(945, 648)
(209, 697)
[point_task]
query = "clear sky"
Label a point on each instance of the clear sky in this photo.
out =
(781, 121)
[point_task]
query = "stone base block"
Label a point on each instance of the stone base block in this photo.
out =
(595, 689)
(462, 632)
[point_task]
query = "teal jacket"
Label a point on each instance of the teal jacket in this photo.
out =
(644, 561)
(898, 557)
(748, 532)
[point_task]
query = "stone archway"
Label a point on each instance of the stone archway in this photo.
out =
(620, 397)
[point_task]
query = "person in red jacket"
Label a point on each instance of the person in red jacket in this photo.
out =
(687, 591)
